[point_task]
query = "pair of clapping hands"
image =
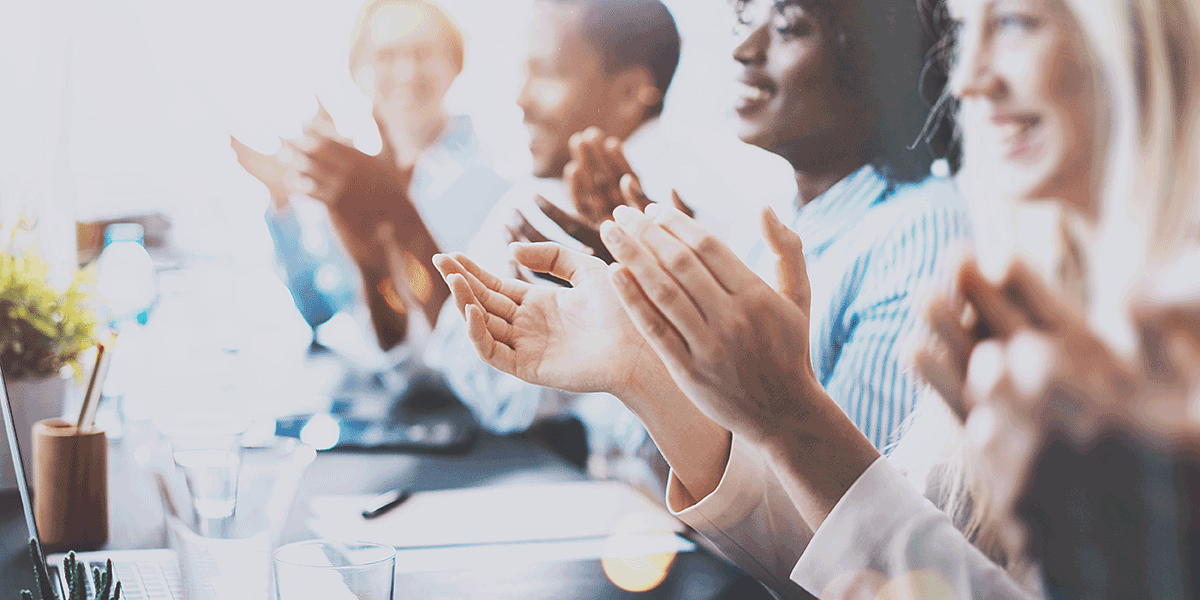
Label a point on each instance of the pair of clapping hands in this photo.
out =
(367, 196)
(1020, 364)
(657, 287)
(370, 209)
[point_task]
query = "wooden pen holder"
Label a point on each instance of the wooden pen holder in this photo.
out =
(70, 483)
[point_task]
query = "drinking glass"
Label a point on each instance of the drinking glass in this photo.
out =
(208, 452)
(336, 570)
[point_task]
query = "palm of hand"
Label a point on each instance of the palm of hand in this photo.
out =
(581, 331)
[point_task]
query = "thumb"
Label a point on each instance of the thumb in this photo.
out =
(387, 151)
(791, 269)
(552, 258)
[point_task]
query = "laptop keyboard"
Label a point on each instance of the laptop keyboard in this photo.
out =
(142, 580)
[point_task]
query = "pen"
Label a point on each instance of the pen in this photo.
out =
(386, 501)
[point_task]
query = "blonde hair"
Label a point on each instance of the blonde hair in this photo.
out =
(1145, 62)
(450, 29)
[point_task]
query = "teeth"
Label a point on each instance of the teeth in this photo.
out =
(1017, 128)
(753, 93)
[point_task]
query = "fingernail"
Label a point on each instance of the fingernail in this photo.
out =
(624, 215)
(653, 210)
(611, 232)
(620, 274)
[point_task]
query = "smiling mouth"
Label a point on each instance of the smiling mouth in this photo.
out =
(752, 96)
(1015, 131)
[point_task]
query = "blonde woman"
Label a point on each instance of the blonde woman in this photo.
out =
(1071, 125)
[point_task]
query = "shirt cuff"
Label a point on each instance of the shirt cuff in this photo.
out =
(738, 492)
(861, 527)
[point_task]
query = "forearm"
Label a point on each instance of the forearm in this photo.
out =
(819, 458)
(695, 446)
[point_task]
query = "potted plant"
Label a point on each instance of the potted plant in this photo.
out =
(43, 330)
(102, 581)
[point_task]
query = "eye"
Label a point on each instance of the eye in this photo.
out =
(1014, 23)
(791, 21)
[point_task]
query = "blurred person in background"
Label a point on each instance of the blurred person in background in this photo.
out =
(381, 216)
(1053, 111)
(604, 64)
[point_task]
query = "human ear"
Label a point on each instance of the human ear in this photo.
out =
(635, 92)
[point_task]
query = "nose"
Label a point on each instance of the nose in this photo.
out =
(973, 72)
(525, 98)
(753, 49)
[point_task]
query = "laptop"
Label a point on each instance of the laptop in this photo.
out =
(144, 574)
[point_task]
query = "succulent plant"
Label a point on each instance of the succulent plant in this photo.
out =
(76, 573)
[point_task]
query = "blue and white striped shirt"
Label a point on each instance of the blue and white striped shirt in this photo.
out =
(872, 249)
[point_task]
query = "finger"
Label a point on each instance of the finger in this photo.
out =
(309, 151)
(680, 206)
(586, 234)
(945, 379)
(499, 329)
(554, 259)
(679, 262)
(386, 152)
(615, 151)
(578, 185)
(658, 331)
(491, 350)
(492, 300)
(944, 319)
(322, 123)
(515, 290)
(726, 267)
(985, 372)
(632, 193)
(512, 235)
(996, 316)
(1043, 308)
(663, 291)
(528, 231)
(792, 268)
(605, 178)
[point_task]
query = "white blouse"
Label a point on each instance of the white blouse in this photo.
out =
(883, 533)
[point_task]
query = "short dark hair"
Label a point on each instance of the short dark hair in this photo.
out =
(881, 48)
(630, 33)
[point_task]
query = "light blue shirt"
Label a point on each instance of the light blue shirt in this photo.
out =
(872, 249)
(454, 188)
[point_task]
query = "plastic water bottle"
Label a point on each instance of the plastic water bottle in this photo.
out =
(125, 277)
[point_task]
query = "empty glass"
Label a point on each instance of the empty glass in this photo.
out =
(209, 454)
(335, 570)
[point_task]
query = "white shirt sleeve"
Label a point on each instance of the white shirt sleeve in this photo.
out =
(885, 530)
(749, 518)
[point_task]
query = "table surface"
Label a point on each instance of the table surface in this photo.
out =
(136, 521)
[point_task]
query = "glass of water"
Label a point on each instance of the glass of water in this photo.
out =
(209, 455)
(333, 569)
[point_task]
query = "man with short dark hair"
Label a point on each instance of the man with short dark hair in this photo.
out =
(603, 64)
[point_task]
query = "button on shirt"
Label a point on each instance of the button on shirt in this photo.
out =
(872, 250)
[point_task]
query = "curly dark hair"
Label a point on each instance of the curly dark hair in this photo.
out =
(884, 51)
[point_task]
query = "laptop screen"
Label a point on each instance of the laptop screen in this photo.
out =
(14, 448)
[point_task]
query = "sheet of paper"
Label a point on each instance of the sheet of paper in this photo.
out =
(497, 515)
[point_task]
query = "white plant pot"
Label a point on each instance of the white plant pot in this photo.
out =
(32, 400)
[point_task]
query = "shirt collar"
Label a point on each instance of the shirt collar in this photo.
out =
(842, 206)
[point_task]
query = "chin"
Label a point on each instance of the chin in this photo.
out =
(753, 134)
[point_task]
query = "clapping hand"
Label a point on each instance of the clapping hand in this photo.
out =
(738, 348)
(576, 339)
(598, 179)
